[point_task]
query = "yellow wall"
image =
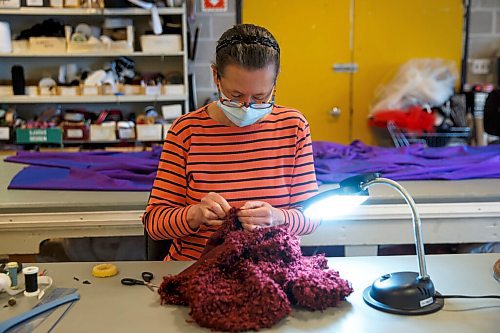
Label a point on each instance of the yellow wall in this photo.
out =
(316, 34)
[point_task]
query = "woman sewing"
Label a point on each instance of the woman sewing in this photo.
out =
(241, 151)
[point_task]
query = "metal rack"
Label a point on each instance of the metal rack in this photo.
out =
(455, 136)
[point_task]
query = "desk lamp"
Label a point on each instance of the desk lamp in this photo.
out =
(406, 293)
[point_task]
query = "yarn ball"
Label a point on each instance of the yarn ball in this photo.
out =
(250, 280)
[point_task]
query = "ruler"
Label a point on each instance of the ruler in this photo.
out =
(46, 321)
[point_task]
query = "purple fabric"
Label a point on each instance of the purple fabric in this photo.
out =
(105, 171)
(112, 171)
(335, 162)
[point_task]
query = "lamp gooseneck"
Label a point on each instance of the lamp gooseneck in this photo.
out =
(417, 225)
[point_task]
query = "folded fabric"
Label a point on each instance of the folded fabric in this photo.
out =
(334, 162)
(105, 171)
(116, 171)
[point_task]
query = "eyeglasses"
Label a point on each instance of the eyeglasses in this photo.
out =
(254, 105)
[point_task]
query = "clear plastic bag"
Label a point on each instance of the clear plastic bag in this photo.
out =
(424, 82)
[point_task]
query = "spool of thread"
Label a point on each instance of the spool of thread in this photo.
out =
(12, 269)
(31, 281)
(5, 42)
(4, 282)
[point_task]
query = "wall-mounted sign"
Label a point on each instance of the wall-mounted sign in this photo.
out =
(214, 5)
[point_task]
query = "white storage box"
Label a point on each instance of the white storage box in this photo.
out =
(103, 132)
(173, 89)
(152, 132)
(32, 91)
(161, 43)
(4, 133)
(152, 90)
(126, 130)
(171, 112)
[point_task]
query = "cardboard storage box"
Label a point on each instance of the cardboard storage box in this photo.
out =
(103, 132)
(161, 43)
(91, 90)
(46, 45)
(152, 132)
(20, 46)
(10, 4)
(38, 135)
(68, 91)
(6, 91)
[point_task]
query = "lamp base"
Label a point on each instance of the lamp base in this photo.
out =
(403, 293)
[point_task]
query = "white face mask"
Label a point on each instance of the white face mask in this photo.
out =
(243, 116)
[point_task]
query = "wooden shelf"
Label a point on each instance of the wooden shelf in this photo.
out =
(49, 11)
(90, 99)
(88, 54)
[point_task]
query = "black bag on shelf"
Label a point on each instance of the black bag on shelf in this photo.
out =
(492, 113)
(120, 3)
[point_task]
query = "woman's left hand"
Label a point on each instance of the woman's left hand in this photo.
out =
(259, 214)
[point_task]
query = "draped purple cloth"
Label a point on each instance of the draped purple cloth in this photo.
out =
(334, 162)
(115, 171)
(105, 171)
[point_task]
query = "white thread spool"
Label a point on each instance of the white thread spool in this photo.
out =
(5, 41)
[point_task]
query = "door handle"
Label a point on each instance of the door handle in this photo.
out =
(335, 112)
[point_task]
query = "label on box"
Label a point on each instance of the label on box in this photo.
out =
(38, 135)
(4, 133)
(74, 133)
(38, 3)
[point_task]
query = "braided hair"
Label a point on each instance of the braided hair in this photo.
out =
(249, 46)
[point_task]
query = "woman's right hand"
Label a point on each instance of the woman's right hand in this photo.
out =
(212, 210)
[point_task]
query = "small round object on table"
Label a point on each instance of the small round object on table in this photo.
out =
(104, 270)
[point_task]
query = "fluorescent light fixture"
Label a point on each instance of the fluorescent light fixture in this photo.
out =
(406, 293)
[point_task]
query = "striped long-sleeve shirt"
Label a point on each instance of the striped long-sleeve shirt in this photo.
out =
(268, 161)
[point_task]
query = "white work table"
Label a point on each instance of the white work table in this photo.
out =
(465, 211)
(108, 306)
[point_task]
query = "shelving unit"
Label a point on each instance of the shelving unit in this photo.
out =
(87, 54)
(48, 11)
(40, 65)
(91, 99)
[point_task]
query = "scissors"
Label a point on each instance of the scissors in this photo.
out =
(146, 281)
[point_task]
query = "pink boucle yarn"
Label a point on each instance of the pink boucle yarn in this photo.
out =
(249, 280)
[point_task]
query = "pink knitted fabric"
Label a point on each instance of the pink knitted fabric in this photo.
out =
(249, 280)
